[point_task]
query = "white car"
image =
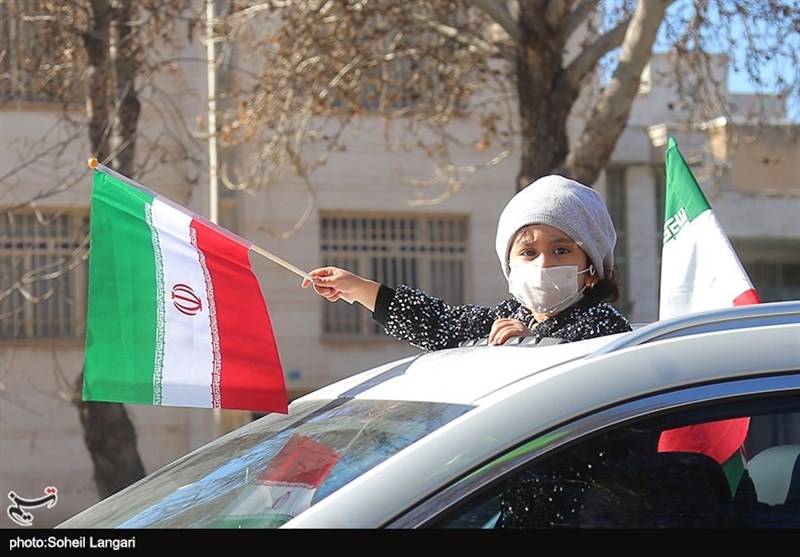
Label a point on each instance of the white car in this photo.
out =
(522, 435)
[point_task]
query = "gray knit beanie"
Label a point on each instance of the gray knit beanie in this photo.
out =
(573, 208)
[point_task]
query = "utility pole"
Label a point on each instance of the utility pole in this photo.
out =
(213, 178)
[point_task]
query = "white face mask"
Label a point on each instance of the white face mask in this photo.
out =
(546, 290)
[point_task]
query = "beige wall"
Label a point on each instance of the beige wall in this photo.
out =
(763, 161)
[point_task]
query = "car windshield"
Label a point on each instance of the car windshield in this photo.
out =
(270, 470)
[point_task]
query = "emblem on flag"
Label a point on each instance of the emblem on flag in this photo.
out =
(185, 300)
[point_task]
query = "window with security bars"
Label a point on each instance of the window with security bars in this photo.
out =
(43, 275)
(428, 252)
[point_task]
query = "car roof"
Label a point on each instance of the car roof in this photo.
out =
(470, 374)
(457, 375)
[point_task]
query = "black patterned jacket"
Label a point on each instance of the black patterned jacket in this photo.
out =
(429, 323)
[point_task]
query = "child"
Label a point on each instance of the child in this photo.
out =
(555, 242)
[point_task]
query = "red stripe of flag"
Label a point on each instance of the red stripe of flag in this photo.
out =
(746, 298)
(719, 440)
(251, 374)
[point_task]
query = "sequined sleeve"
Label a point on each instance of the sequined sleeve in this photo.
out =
(429, 323)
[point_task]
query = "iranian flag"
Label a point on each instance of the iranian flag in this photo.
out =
(699, 268)
(176, 316)
(700, 271)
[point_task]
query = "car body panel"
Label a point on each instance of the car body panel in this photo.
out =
(523, 397)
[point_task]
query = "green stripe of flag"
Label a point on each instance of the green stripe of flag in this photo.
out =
(684, 200)
(122, 282)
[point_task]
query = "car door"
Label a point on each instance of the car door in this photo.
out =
(606, 471)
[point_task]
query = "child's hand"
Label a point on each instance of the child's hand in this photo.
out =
(506, 328)
(333, 283)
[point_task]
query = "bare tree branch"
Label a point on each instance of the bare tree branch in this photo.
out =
(610, 116)
(501, 14)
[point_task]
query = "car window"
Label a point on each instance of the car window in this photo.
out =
(619, 479)
(271, 470)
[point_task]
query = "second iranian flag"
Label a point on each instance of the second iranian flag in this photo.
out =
(699, 268)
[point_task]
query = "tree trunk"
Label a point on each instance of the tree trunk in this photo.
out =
(110, 438)
(96, 42)
(108, 433)
(545, 100)
(547, 90)
(593, 150)
(124, 67)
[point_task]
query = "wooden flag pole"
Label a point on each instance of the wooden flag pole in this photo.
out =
(281, 262)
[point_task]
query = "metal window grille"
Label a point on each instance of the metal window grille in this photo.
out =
(423, 251)
(43, 275)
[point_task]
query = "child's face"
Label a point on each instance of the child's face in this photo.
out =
(547, 246)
